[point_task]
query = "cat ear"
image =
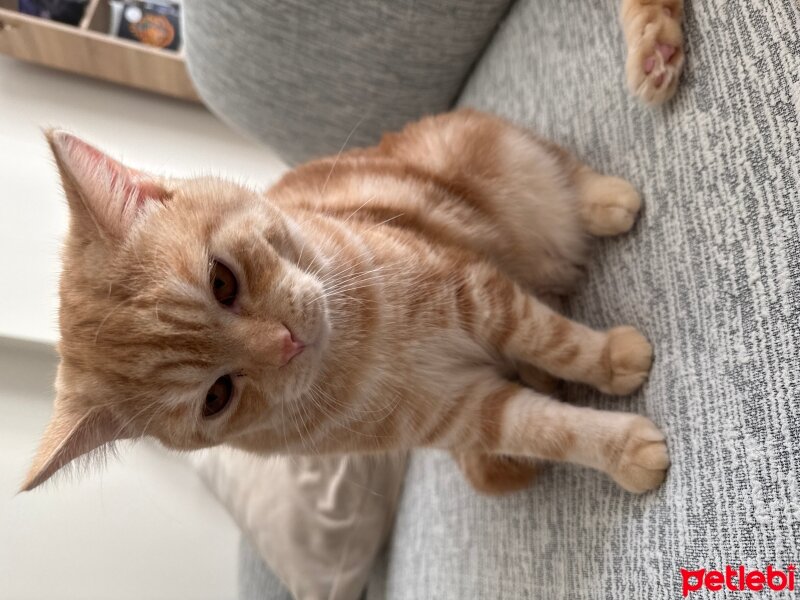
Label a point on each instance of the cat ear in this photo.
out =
(102, 193)
(67, 437)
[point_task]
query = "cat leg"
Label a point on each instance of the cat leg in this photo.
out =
(520, 328)
(655, 47)
(608, 205)
(537, 379)
(518, 421)
(616, 361)
(495, 474)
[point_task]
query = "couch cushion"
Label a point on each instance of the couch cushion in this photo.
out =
(308, 78)
(710, 274)
(256, 580)
(317, 522)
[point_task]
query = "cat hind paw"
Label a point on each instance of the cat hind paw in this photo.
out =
(655, 57)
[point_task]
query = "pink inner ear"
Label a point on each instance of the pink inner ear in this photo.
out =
(134, 184)
(112, 192)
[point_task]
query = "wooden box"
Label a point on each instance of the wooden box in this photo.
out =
(89, 50)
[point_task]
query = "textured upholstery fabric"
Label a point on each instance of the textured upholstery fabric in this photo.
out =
(256, 582)
(710, 274)
(306, 77)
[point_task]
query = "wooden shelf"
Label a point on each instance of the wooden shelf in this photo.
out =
(89, 50)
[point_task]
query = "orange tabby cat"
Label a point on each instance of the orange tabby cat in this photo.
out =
(376, 300)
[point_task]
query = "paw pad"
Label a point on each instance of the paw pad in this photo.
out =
(655, 57)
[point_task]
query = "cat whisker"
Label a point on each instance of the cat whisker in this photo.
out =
(352, 214)
(383, 411)
(334, 283)
(339, 154)
(333, 416)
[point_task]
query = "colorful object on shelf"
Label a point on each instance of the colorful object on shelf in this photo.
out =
(152, 23)
(64, 11)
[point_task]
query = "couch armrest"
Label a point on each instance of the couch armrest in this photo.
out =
(308, 78)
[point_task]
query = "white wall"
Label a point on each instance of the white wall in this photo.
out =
(145, 528)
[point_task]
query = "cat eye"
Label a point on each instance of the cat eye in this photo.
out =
(218, 397)
(223, 283)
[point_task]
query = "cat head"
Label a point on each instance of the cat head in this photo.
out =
(185, 313)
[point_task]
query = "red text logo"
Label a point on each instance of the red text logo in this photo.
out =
(738, 579)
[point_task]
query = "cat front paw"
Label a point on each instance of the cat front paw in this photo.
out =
(643, 458)
(610, 206)
(655, 53)
(627, 359)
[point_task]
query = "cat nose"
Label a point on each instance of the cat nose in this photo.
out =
(267, 344)
(291, 347)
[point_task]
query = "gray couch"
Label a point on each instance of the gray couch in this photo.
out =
(711, 273)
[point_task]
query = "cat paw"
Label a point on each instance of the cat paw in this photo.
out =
(627, 358)
(643, 459)
(610, 206)
(655, 55)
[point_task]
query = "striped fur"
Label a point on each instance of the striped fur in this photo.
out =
(408, 268)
